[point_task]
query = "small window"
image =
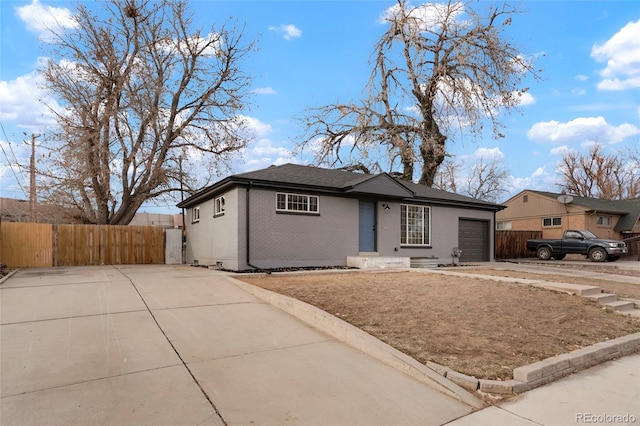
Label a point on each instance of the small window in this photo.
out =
(503, 226)
(219, 206)
(525, 198)
(551, 221)
(297, 203)
(604, 221)
(195, 214)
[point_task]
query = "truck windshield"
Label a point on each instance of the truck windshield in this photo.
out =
(589, 234)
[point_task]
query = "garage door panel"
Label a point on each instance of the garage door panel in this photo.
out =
(473, 240)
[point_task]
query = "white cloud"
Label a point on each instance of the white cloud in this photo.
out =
(560, 150)
(428, 16)
(581, 130)
(255, 126)
(264, 153)
(290, 31)
(265, 91)
(540, 180)
(525, 98)
(581, 77)
(25, 104)
(46, 21)
(622, 55)
(489, 153)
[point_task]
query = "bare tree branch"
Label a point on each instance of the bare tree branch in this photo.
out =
(141, 87)
(437, 68)
(600, 175)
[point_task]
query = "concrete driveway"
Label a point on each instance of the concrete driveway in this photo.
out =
(177, 345)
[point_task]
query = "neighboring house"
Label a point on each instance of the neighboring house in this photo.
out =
(553, 213)
(16, 210)
(294, 216)
(157, 219)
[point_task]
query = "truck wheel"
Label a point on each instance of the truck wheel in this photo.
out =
(544, 253)
(597, 254)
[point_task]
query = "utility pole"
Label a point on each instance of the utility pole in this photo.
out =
(32, 179)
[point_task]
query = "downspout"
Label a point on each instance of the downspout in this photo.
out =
(247, 233)
(494, 237)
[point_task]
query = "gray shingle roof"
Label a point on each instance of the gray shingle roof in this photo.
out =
(332, 180)
(306, 175)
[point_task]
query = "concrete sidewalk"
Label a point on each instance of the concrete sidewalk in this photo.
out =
(605, 394)
(176, 345)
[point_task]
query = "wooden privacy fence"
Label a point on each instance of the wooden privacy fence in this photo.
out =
(41, 245)
(634, 247)
(513, 244)
(26, 244)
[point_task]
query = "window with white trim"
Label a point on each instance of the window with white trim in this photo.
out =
(195, 214)
(219, 207)
(415, 225)
(551, 221)
(297, 203)
(604, 221)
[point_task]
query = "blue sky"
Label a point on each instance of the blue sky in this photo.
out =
(313, 53)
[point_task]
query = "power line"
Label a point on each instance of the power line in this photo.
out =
(9, 161)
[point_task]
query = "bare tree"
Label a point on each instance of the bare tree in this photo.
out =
(600, 175)
(438, 67)
(142, 92)
(484, 180)
(447, 176)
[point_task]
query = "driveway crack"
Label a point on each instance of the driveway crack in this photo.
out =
(176, 350)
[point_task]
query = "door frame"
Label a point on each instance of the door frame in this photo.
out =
(374, 231)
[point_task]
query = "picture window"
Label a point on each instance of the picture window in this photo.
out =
(415, 225)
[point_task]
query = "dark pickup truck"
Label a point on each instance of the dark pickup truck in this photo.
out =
(578, 242)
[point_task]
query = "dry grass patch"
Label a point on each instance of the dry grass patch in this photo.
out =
(475, 326)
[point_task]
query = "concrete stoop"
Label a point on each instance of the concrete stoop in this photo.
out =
(548, 370)
(373, 261)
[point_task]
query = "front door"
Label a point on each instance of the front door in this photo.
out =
(367, 226)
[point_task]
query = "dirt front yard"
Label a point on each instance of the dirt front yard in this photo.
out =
(475, 326)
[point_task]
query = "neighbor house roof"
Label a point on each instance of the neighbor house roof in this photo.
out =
(628, 209)
(310, 178)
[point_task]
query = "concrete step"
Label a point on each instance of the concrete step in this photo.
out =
(620, 305)
(577, 289)
(603, 298)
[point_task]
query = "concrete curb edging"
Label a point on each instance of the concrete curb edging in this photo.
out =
(456, 384)
(363, 341)
(548, 370)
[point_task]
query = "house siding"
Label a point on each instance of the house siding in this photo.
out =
(528, 216)
(444, 231)
(215, 239)
(294, 240)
